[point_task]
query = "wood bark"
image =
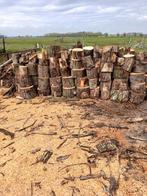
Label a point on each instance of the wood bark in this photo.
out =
(104, 77)
(119, 95)
(56, 91)
(120, 84)
(138, 67)
(27, 92)
(137, 98)
(15, 58)
(138, 87)
(55, 51)
(76, 64)
(88, 62)
(119, 73)
(54, 67)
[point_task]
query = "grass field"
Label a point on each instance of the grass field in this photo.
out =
(18, 44)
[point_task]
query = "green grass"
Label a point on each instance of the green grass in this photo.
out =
(19, 44)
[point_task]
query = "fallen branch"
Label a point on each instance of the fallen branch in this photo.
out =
(136, 138)
(19, 130)
(6, 63)
(8, 133)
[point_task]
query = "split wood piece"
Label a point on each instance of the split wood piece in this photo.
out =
(54, 67)
(107, 68)
(81, 82)
(88, 51)
(105, 88)
(34, 80)
(55, 51)
(144, 64)
(129, 62)
(119, 73)
(88, 62)
(77, 53)
(15, 58)
(137, 98)
(137, 77)
(83, 92)
(6, 63)
(32, 69)
(69, 92)
(140, 56)
(24, 78)
(76, 64)
(7, 133)
(138, 87)
(105, 77)
(65, 71)
(97, 52)
(43, 86)
(95, 93)
(138, 67)
(56, 81)
(92, 73)
(120, 84)
(78, 73)
(68, 82)
(93, 83)
(120, 61)
(64, 55)
(119, 95)
(27, 92)
(56, 91)
(43, 71)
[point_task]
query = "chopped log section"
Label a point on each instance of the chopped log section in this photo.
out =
(83, 92)
(137, 77)
(138, 67)
(43, 78)
(33, 73)
(76, 64)
(69, 88)
(88, 62)
(88, 51)
(92, 73)
(120, 84)
(78, 73)
(119, 73)
(55, 51)
(26, 89)
(69, 92)
(107, 67)
(137, 98)
(82, 82)
(129, 62)
(93, 83)
(105, 77)
(105, 88)
(95, 93)
(56, 86)
(15, 58)
(77, 53)
(64, 68)
(54, 67)
(120, 96)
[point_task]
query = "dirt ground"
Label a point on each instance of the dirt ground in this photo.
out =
(70, 131)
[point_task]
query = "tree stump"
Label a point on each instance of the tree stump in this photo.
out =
(68, 82)
(93, 83)
(92, 73)
(78, 73)
(95, 93)
(105, 88)
(83, 92)
(69, 92)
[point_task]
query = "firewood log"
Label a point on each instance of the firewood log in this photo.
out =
(69, 92)
(129, 62)
(105, 88)
(137, 98)
(82, 82)
(104, 77)
(76, 64)
(120, 84)
(95, 93)
(119, 95)
(68, 82)
(137, 77)
(83, 92)
(77, 53)
(92, 73)
(78, 73)
(88, 51)
(107, 67)
(93, 83)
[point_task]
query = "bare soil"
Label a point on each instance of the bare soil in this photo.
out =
(62, 127)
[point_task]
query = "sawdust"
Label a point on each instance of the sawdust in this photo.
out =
(20, 177)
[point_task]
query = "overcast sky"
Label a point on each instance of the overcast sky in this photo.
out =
(37, 17)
